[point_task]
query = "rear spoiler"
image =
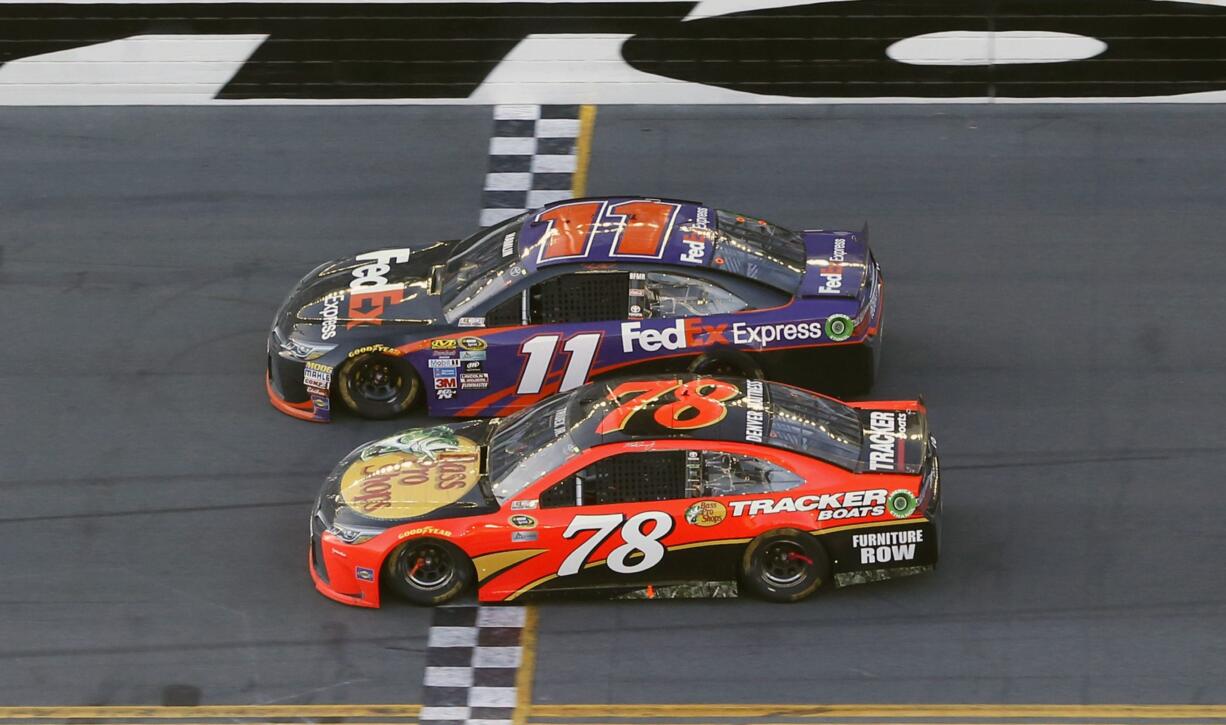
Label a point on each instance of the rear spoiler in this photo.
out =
(836, 263)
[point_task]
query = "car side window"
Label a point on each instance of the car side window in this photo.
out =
(733, 474)
(593, 296)
(631, 477)
(668, 295)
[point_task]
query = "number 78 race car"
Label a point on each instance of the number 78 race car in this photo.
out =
(583, 289)
(633, 483)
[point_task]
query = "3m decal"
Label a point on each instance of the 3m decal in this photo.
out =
(696, 404)
(636, 540)
(887, 546)
(539, 351)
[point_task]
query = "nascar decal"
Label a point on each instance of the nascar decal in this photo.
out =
(887, 546)
(886, 434)
(370, 289)
(401, 484)
(843, 505)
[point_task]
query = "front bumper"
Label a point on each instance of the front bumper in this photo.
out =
(341, 572)
(289, 394)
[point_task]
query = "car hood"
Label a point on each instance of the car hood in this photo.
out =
(389, 286)
(418, 474)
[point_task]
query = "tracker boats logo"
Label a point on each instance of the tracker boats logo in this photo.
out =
(886, 434)
(666, 52)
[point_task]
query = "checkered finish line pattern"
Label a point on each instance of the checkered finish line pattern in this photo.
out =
(472, 657)
(532, 159)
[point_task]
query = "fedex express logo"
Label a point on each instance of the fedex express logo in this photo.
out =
(690, 332)
(370, 289)
(832, 274)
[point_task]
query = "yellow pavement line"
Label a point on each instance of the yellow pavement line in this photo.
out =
(1126, 712)
(583, 150)
(526, 673)
(210, 712)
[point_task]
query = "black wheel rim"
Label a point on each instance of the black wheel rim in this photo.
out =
(376, 381)
(427, 567)
(784, 563)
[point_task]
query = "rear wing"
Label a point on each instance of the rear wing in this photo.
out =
(836, 263)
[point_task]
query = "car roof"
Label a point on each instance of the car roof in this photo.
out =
(683, 229)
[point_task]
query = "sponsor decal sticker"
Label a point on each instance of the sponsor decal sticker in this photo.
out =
(763, 335)
(445, 379)
(444, 394)
(468, 342)
(901, 503)
(474, 381)
(523, 537)
(887, 546)
(508, 244)
(425, 531)
(706, 513)
(472, 354)
(846, 505)
(832, 273)
(839, 327)
(370, 290)
(364, 574)
(885, 440)
(522, 521)
(755, 411)
(331, 310)
(379, 348)
(401, 485)
(315, 375)
(523, 505)
(443, 362)
(445, 344)
(471, 322)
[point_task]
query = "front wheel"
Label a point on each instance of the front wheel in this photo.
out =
(784, 566)
(378, 386)
(427, 571)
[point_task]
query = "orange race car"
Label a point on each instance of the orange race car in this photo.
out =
(634, 483)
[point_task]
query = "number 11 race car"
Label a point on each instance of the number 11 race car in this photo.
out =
(551, 299)
(634, 483)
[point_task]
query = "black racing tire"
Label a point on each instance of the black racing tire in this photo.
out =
(785, 565)
(378, 386)
(428, 571)
(730, 364)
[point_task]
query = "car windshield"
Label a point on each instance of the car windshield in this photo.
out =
(528, 445)
(816, 426)
(479, 260)
(759, 250)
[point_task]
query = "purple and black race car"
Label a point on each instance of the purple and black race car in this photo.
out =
(553, 298)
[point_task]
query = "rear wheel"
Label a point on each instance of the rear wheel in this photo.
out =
(428, 571)
(784, 566)
(378, 386)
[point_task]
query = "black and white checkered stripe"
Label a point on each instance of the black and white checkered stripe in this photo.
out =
(532, 159)
(472, 657)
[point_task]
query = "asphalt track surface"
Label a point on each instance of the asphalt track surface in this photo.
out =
(1053, 289)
